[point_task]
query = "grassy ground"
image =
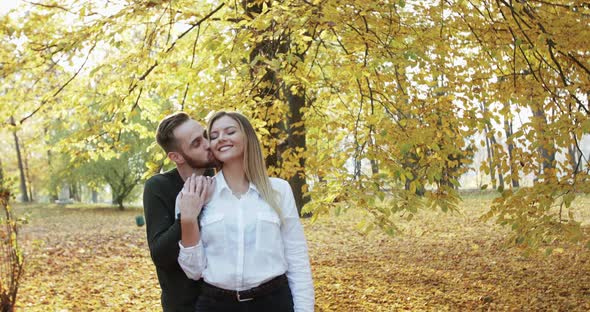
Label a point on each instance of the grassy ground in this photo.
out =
(96, 259)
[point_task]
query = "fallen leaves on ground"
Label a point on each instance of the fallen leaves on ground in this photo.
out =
(96, 259)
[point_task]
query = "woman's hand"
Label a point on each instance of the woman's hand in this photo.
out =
(193, 196)
(210, 181)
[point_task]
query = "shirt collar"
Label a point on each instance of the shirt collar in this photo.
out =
(221, 184)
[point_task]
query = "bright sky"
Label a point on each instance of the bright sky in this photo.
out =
(6, 5)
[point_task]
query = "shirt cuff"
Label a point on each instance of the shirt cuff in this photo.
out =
(190, 247)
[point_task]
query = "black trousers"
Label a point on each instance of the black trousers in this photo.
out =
(280, 300)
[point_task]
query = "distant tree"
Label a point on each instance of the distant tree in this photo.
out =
(21, 168)
(123, 174)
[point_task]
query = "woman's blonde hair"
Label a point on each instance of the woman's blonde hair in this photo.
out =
(254, 165)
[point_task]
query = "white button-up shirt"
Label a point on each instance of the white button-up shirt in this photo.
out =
(244, 244)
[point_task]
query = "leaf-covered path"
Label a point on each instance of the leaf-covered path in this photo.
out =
(96, 259)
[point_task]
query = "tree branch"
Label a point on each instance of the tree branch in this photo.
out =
(58, 91)
(195, 25)
(49, 6)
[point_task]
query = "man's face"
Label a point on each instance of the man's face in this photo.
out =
(193, 146)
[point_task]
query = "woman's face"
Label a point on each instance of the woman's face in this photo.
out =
(227, 140)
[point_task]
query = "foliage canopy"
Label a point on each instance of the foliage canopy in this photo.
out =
(358, 103)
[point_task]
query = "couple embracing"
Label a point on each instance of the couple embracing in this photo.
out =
(231, 241)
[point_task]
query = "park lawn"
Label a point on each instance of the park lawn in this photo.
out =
(89, 258)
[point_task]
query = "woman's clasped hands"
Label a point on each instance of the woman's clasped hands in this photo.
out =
(195, 194)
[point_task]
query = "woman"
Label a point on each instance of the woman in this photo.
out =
(250, 249)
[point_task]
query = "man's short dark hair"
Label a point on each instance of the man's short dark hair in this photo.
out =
(165, 134)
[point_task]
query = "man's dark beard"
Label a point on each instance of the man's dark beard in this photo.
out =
(197, 164)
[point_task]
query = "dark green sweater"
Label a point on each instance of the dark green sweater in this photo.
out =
(179, 293)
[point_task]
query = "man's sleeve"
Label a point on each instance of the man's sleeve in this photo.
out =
(163, 230)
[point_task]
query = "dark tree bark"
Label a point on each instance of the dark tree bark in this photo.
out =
(513, 166)
(573, 157)
(23, 183)
(546, 148)
(28, 173)
(296, 140)
(269, 91)
(74, 191)
(410, 162)
(1, 173)
(53, 194)
(94, 196)
(496, 165)
(490, 159)
(492, 163)
(293, 127)
(374, 162)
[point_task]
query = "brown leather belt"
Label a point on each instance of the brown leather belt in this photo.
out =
(244, 295)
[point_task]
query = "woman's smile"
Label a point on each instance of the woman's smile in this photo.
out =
(224, 148)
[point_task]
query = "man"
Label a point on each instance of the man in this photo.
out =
(183, 139)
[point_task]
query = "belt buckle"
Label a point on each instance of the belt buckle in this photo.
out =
(240, 299)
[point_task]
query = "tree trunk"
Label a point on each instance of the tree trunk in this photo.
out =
(357, 166)
(374, 166)
(117, 198)
(573, 155)
(420, 191)
(490, 143)
(72, 190)
(513, 167)
(75, 191)
(294, 127)
(496, 165)
(113, 196)
(267, 48)
(23, 183)
(412, 167)
(27, 172)
(374, 162)
(53, 193)
(490, 159)
(94, 196)
(546, 148)
(1, 173)
(297, 142)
